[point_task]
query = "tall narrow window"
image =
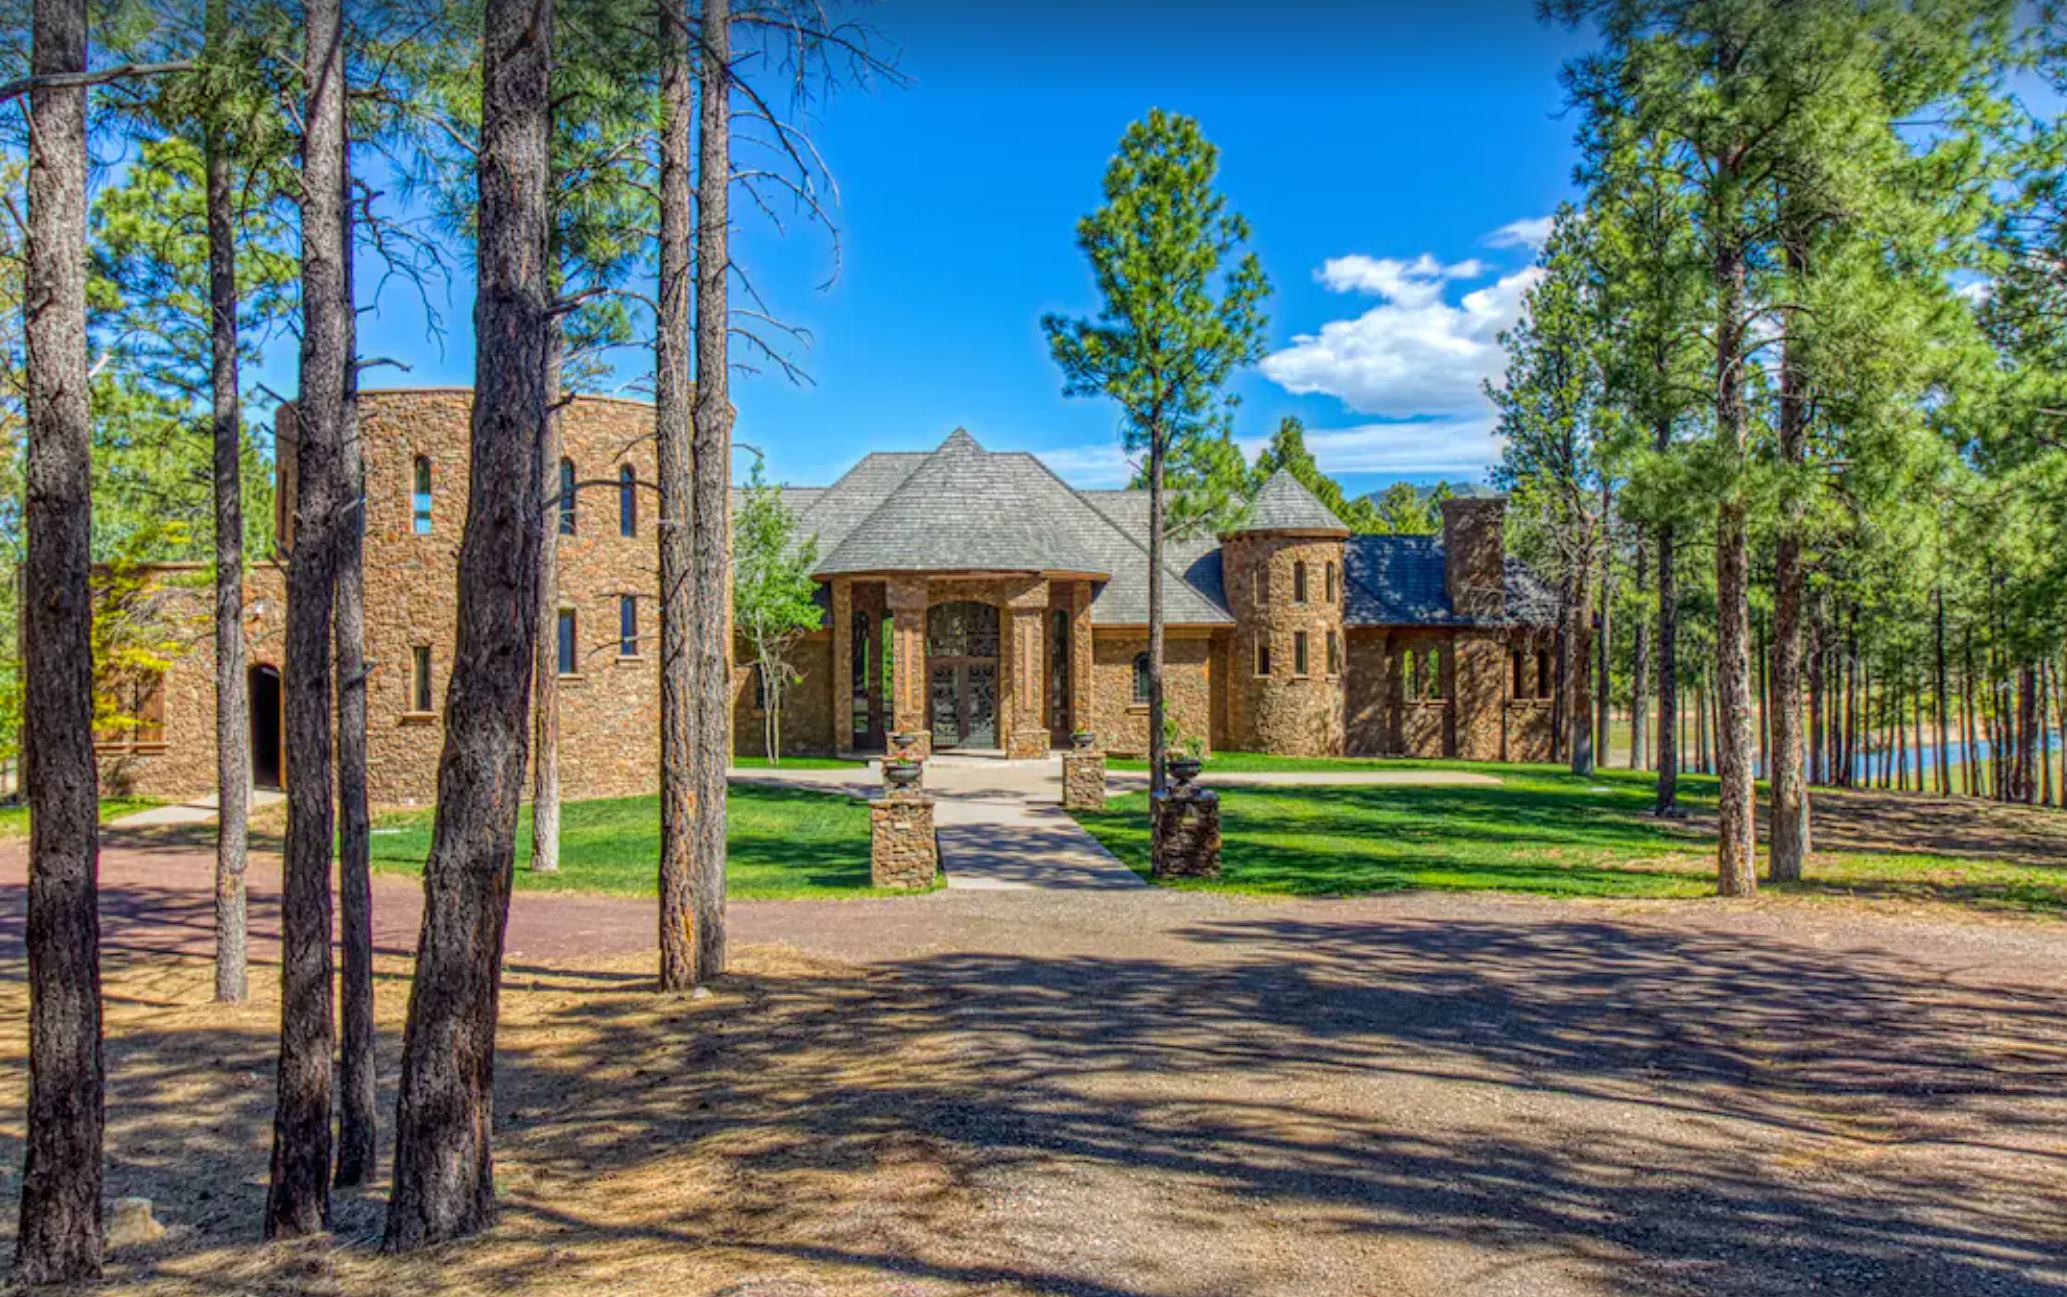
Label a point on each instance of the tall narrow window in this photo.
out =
(627, 502)
(858, 722)
(1141, 686)
(627, 626)
(1299, 582)
(1263, 585)
(1331, 583)
(566, 641)
(1334, 654)
(420, 678)
(420, 496)
(1298, 652)
(1543, 682)
(1262, 656)
(1520, 688)
(566, 497)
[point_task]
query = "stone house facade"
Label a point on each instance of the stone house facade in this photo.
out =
(971, 599)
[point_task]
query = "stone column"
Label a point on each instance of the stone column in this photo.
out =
(906, 598)
(1026, 670)
(843, 663)
(903, 851)
(1479, 694)
(1184, 833)
(1083, 780)
(1082, 659)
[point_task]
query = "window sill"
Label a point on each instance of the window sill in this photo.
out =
(1137, 709)
(417, 718)
(572, 678)
(623, 658)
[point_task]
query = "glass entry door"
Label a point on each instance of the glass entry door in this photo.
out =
(962, 675)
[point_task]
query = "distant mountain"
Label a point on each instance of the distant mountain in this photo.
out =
(1427, 491)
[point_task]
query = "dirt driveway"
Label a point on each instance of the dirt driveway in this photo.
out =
(1156, 1094)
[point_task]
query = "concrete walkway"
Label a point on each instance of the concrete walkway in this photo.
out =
(198, 810)
(1000, 823)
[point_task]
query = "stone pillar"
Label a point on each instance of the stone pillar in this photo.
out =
(1083, 780)
(1479, 684)
(843, 663)
(905, 596)
(1184, 833)
(1082, 656)
(1026, 670)
(903, 852)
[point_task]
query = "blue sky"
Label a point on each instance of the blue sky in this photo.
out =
(1390, 159)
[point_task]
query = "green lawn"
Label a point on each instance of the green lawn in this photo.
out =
(14, 820)
(796, 763)
(1543, 831)
(785, 843)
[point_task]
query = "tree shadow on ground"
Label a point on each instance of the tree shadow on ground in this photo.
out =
(1263, 1106)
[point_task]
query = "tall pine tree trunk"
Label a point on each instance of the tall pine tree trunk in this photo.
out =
(711, 514)
(1819, 699)
(1668, 673)
(1579, 674)
(298, 1198)
(356, 1123)
(445, 1116)
(59, 1238)
(672, 419)
(545, 652)
(1640, 669)
(1790, 846)
(1940, 687)
(1735, 800)
(1603, 648)
(232, 689)
(1158, 742)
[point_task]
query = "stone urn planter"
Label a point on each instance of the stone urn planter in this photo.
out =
(1083, 740)
(1182, 770)
(904, 739)
(902, 775)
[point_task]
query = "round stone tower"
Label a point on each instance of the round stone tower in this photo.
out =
(1284, 572)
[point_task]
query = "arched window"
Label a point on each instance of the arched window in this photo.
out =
(566, 497)
(420, 496)
(1141, 688)
(627, 502)
(1299, 581)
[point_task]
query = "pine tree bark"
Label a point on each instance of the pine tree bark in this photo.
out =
(711, 512)
(1819, 699)
(1789, 849)
(2027, 733)
(298, 1195)
(545, 651)
(232, 688)
(357, 1125)
(1158, 741)
(672, 422)
(1603, 646)
(1579, 674)
(444, 1184)
(1640, 669)
(1940, 686)
(1736, 801)
(1668, 664)
(59, 1238)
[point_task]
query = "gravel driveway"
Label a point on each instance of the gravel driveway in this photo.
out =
(1185, 1094)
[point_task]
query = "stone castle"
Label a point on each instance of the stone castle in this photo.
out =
(971, 598)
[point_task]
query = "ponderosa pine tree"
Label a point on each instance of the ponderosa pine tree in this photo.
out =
(1559, 459)
(59, 1236)
(298, 1190)
(1182, 307)
(444, 1182)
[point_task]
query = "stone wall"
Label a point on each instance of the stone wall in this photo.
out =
(411, 603)
(807, 705)
(1475, 554)
(1120, 722)
(1289, 711)
(904, 853)
(1369, 690)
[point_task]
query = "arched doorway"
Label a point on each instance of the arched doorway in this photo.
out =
(962, 674)
(268, 750)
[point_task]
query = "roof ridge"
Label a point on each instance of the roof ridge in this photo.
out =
(1168, 570)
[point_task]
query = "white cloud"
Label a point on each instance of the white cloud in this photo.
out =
(1529, 232)
(1412, 354)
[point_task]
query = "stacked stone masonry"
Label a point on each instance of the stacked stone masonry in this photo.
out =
(1083, 781)
(1264, 654)
(904, 851)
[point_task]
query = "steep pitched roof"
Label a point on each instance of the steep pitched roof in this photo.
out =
(1398, 581)
(1284, 504)
(964, 509)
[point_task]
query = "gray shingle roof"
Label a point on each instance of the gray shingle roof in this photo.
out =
(1284, 504)
(1398, 581)
(964, 509)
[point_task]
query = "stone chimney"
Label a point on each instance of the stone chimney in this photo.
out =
(1475, 555)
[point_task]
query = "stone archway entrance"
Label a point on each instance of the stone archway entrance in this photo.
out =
(962, 674)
